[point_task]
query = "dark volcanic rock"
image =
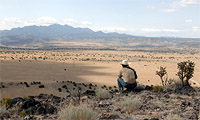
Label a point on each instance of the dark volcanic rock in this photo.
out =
(186, 90)
(31, 106)
(30, 103)
(17, 100)
(41, 86)
(89, 92)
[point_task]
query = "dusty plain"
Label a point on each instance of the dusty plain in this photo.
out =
(84, 66)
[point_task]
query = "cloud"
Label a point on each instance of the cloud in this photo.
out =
(71, 22)
(188, 21)
(169, 10)
(110, 29)
(9, 23)
(86, 23)
(159, 30)
(174, 6)
(45, 21)
(196, 28)
(76, 23)
(184, 3)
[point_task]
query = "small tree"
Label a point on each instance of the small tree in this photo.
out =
(162, 73)
(186, 71)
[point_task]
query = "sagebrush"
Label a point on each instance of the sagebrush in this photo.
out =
(131, 104)
(102, 94)
(81, 112)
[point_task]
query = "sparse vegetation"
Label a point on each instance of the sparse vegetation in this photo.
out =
(59, 89)
(64, 86)
(186, 71)
(157, 88)
(41, 86)
(7, 102)
(173, 117)
(81, 112)
(2, 109)
(161, 74)
(131, 104)
(26, 98)
(23, 113)
(102, 94)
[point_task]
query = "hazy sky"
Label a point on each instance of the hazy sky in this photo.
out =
(178, 18)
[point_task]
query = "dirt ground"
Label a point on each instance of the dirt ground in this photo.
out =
(97, 67)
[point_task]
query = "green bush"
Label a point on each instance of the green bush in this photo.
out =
(157, 88)
(26, 98)
(81, 112)
(23, 113)
(7, 102)
(186, 71)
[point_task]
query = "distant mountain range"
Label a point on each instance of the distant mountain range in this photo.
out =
(45, 35)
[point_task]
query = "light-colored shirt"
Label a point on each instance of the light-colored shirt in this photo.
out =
(127, 75)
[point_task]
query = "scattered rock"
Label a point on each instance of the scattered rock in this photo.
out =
(17, 100)
(89, 92)
(41, 86)
(110, 116)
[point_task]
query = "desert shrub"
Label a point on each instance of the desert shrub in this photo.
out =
(23, 113)
(2, 109)
(26, 98)
(173, 84)
(110, 88)
(64, 86)
(102, 94)
(7, 102)
(81, 112)
(41, 86)
(173, 117)
(59, 89)
(176, 84)
(186, 71)
(157, 88)
(161, 73)
(131, 104)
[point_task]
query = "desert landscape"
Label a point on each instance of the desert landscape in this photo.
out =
(98, 67)
(61, 60)
(63, 75)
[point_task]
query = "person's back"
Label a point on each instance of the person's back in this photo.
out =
(128, 75)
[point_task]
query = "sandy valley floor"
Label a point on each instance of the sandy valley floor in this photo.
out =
(98, 67)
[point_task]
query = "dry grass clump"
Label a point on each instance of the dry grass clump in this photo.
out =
(173, 117)
(102, 94)
(2, 109)
(157, 88)
(131, 104)
(81, 112)
(174, 84)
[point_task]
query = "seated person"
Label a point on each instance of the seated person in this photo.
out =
(127, 77)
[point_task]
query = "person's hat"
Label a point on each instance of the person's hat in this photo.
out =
(125, 62)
